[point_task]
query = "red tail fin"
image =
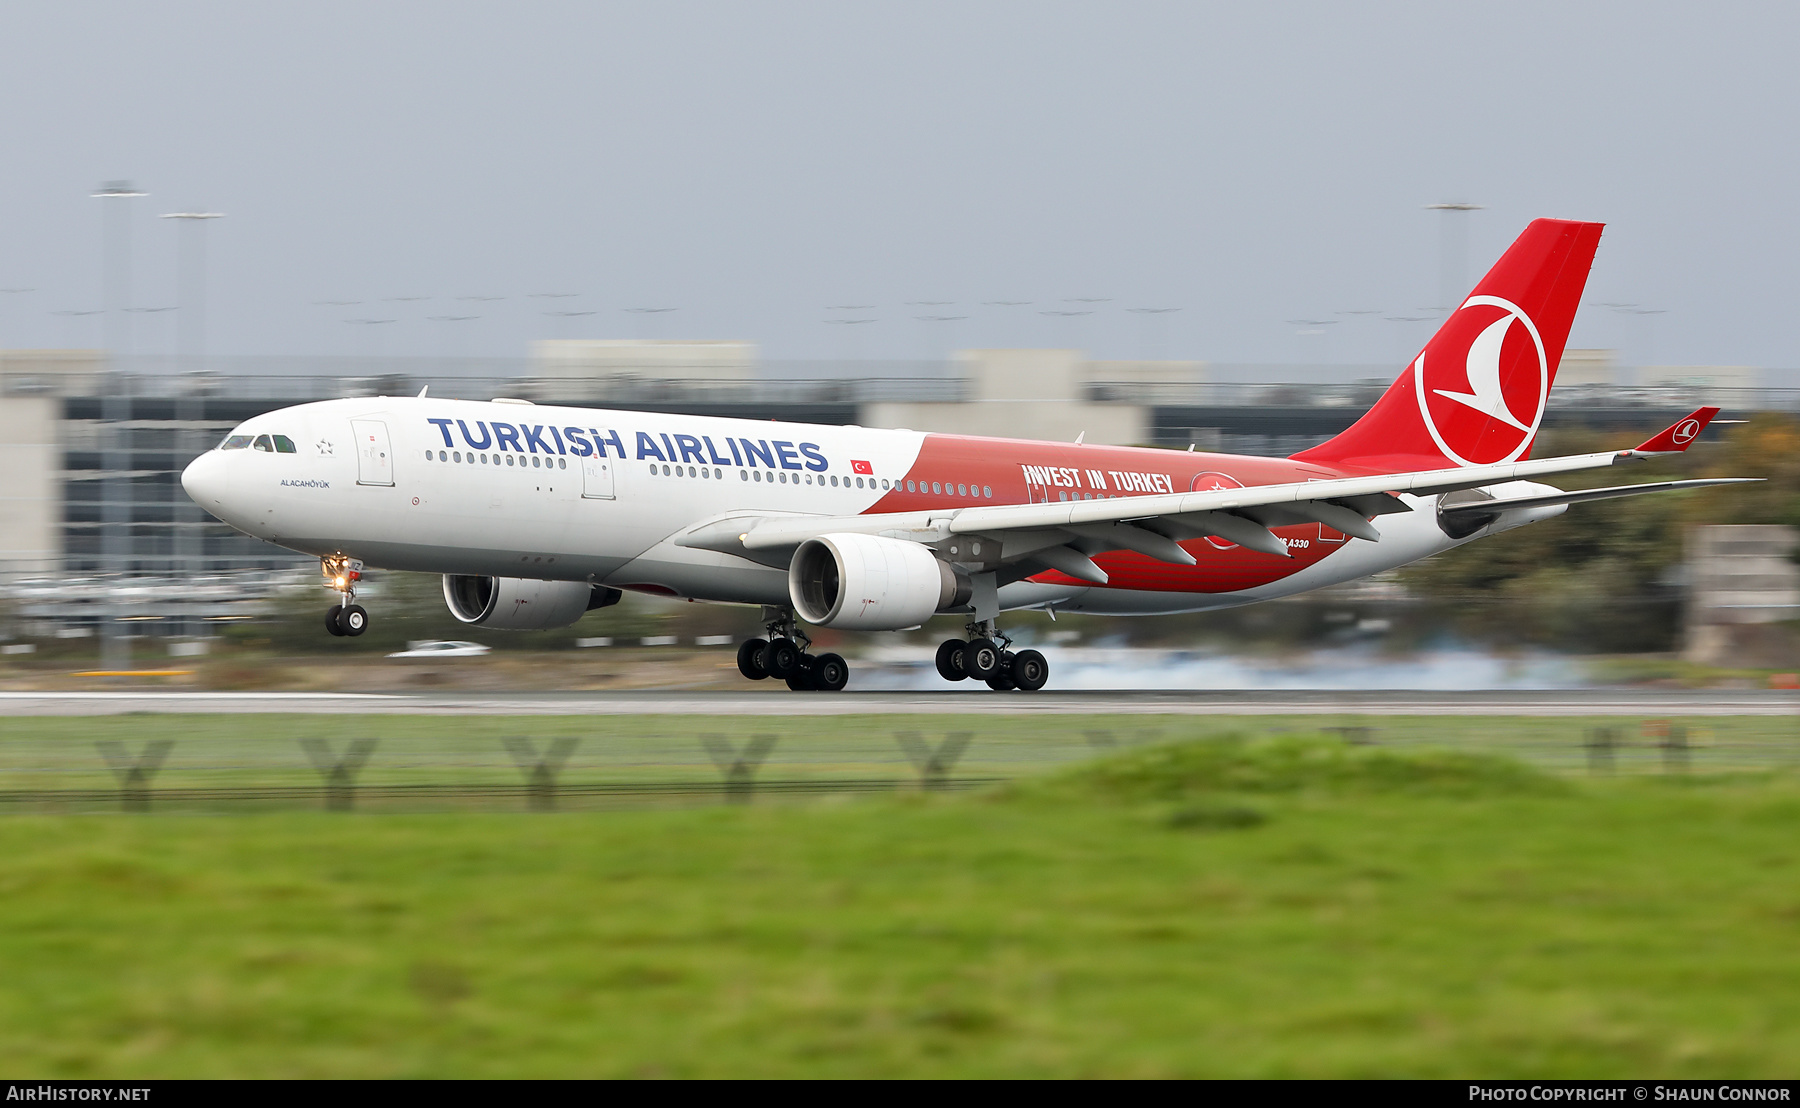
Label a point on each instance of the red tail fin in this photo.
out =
(1476, 394)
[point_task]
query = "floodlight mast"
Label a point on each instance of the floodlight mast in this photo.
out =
(116, 263)
(190, 404)
(115, 409)
(191, 268)
(1453, 250)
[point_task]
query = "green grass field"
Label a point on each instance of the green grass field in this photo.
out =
(1280, 903)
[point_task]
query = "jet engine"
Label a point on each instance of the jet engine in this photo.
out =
(868, 583)
(520, 604)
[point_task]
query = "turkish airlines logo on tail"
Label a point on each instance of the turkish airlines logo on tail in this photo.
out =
(1685, 431)
(1483, 382)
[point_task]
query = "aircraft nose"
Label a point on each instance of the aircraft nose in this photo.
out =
(205, 480)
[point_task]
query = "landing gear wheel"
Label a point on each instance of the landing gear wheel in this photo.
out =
(830, 673)
(751, 659)
(781, 658)
(1029, 670)
(331, 621)
(801, 680)
(980, 659)
(1002, 680)
(949, 660)
(354, 620)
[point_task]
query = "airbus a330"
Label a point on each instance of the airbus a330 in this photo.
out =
(537, 514)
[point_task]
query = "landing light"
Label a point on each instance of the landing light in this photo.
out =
(340, 582)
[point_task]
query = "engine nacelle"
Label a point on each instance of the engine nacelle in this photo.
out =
(868, 583)
(520, 604)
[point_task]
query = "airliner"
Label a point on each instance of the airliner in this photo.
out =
(536, 514)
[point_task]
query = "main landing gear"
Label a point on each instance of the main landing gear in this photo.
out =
(783, 656)
(341, 575)
(982, 659)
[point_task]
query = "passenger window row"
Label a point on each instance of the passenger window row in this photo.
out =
(471, 458)
(784, 478)
(944, 488)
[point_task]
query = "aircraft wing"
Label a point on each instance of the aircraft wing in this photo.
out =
(1494, 507)
(1060, 535)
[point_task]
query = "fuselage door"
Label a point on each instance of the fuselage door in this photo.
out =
(374, 457)
(597, 477)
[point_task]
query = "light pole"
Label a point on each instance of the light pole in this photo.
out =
(931, 348)
(115, 409)
(1154, 318)
(116, 263)
(1071, 318)
(374, 354)
(1644, 335)
(190, 403)
(11, 292)
(1453, 252)
(651, 315)
(191, 277)
(448, 338)
(568, 318)
(852, 352)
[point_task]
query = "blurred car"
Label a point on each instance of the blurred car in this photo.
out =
(449, 648)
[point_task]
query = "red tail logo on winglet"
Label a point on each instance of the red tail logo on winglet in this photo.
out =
(1477, 392)
(1679, 435)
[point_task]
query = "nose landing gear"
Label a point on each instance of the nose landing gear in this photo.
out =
(982, 658)
(341, 575)
(783, 656)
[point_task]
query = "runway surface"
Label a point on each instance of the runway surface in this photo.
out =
(772, 702)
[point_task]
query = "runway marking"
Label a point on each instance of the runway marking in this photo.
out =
(6, 696)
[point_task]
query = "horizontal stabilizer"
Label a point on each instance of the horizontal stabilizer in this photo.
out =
(1491, 507)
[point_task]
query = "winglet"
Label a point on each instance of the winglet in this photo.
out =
(1678, 436)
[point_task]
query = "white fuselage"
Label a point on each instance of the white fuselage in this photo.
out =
(515, 490)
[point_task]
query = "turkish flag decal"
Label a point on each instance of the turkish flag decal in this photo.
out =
(861, 467)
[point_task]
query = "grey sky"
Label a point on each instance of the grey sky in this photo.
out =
(755, 164)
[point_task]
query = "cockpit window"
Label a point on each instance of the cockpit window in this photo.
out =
(235, 442)
(263, 444)
(284, 445)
